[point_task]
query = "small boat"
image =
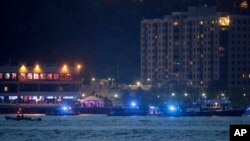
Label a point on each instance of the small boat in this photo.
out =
(127, 112)
(18, 118)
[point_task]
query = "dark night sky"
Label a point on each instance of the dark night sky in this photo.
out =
(100, 33)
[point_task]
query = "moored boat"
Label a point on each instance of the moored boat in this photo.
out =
(18, 118)
(127, 112)
(213, 107)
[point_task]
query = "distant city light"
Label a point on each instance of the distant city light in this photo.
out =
(65, 108)
(185, 94)
(175, 23)
(83, 94)
(173, 94)
(79, 66)
(244, 94)
(65, 69)
(203, 95)
(148, 79)
(172, 108)
(224, 21)
(138, 83)
(93, 79)
(37, 69)
(6, 89)
(133, 104)
(116, 95)
(109, 79)
(23, 69)
(158, 96)
(244, 4)
(222, 94)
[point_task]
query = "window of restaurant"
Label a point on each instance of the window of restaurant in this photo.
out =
(36, 76)
(43, 76)
(49, 76)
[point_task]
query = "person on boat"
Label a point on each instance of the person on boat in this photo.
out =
(18, 113)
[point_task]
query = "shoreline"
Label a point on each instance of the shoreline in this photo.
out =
(43, 109)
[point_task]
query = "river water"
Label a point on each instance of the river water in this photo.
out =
(104, 128)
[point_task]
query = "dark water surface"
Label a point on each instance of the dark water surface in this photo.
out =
(104, 128)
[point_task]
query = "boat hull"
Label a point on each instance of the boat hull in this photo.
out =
(238, 112)
(23, 118)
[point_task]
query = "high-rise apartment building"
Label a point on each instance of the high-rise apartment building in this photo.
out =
(196, 47)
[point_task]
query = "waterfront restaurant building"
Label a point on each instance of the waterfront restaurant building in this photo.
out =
(39, 84)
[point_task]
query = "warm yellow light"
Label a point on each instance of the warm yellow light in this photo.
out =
(23, 69)
(79, 66)
(37, 69)
(244, 4)
(138, 83)
(65, 69)
(224, 21)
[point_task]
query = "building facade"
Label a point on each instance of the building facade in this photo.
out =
(39, 84)
(196, 47)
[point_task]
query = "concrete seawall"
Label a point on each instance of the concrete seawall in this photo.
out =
(43, 109)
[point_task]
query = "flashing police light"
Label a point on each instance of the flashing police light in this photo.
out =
(133, 104)
(172, 108)
(65, 108)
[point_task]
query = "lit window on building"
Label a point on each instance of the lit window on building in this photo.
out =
(43, 76)
(55, 76)
(49, 76)
(7, 76)
(1, 76)
(29, 76)
(224, 21)
(14, 76)
(244, 4)
(36, 76)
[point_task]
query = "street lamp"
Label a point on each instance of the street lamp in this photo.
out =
(185, 94)
(244, 94)
(203, 95)
(115, 95)
(93, 79)
(222, 94)
(83, 94)
(138, 83)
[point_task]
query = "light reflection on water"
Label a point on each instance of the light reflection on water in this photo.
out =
(102, 127)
